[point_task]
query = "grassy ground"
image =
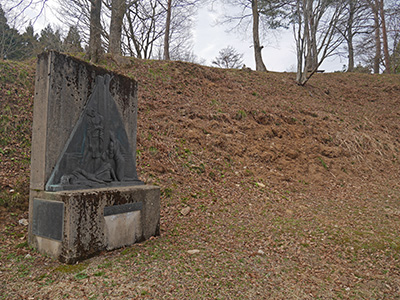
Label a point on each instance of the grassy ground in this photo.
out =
(293, 191)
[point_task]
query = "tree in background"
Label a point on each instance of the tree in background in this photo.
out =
(87, 16)
(167, 30)
(376, 46)
(8, 38)
(16, 46)
(135, 27)
(396, 60)
(30, 40)
(50, 39)
(17, 11)
(72, 42)
(95, 49)
(144, 26)
(315, 25)
(355, 24)
(13, 45)
(249, 12)
(177, 27)
(153, 29)
(228, 58)
(393, 23)
(76, 13)
(260, 15)
(369, 30)
(260, 66)
(118, 9)
(182, 22)
(385, 43)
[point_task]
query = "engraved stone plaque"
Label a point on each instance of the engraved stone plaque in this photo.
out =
(48, 219)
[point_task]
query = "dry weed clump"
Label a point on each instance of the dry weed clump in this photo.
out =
(359, 144)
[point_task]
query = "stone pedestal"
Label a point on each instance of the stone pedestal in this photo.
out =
(85, 195)
(74, 225)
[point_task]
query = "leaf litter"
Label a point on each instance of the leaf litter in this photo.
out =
(290, 192)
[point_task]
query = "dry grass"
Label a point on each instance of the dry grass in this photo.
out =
(293, 192)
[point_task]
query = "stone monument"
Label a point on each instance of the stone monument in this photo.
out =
(85, 195)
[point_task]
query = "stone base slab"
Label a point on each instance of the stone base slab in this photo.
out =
(74, 225)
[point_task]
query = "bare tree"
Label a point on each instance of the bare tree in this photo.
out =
(133, 27)
(380, 35)
(315, 28)
(384, 35)
(95, 49)
(145, 30)
(249, 13)
(393, 22)
(17, 10)
(76, 13)
(167, 30)
(229, 58)
(118, 9)
(260, 66)
(177, 25)
(356, 23)
(144, 26)
(261, 15)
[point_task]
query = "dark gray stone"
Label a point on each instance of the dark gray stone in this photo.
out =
(85, 196)
(48, 219)
(65, 90)
(85, 223)
(121, 209)
(98, 153)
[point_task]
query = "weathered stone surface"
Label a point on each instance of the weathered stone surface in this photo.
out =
(85, 195)
(97, 153)
(47, 219)
(122, 229)
(86, 230)
(62, 91)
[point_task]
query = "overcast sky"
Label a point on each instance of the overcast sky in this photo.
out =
(208, 39)
(279, 53)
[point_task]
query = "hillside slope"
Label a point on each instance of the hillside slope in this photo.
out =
(340, 128)
(293, 191)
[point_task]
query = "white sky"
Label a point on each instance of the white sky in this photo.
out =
(279, 55)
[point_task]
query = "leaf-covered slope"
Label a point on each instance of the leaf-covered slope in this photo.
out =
(340, 127)
(285, 192)
(16, 106)
(206, 124)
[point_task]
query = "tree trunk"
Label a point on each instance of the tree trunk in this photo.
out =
(377, 58)
(350, 46)
(303, 42)
(313, 41)
(167, 30)
(118, 8)
(95, 49)
(299, 45)
(384, 38)
(256, 38)
(308, 33)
